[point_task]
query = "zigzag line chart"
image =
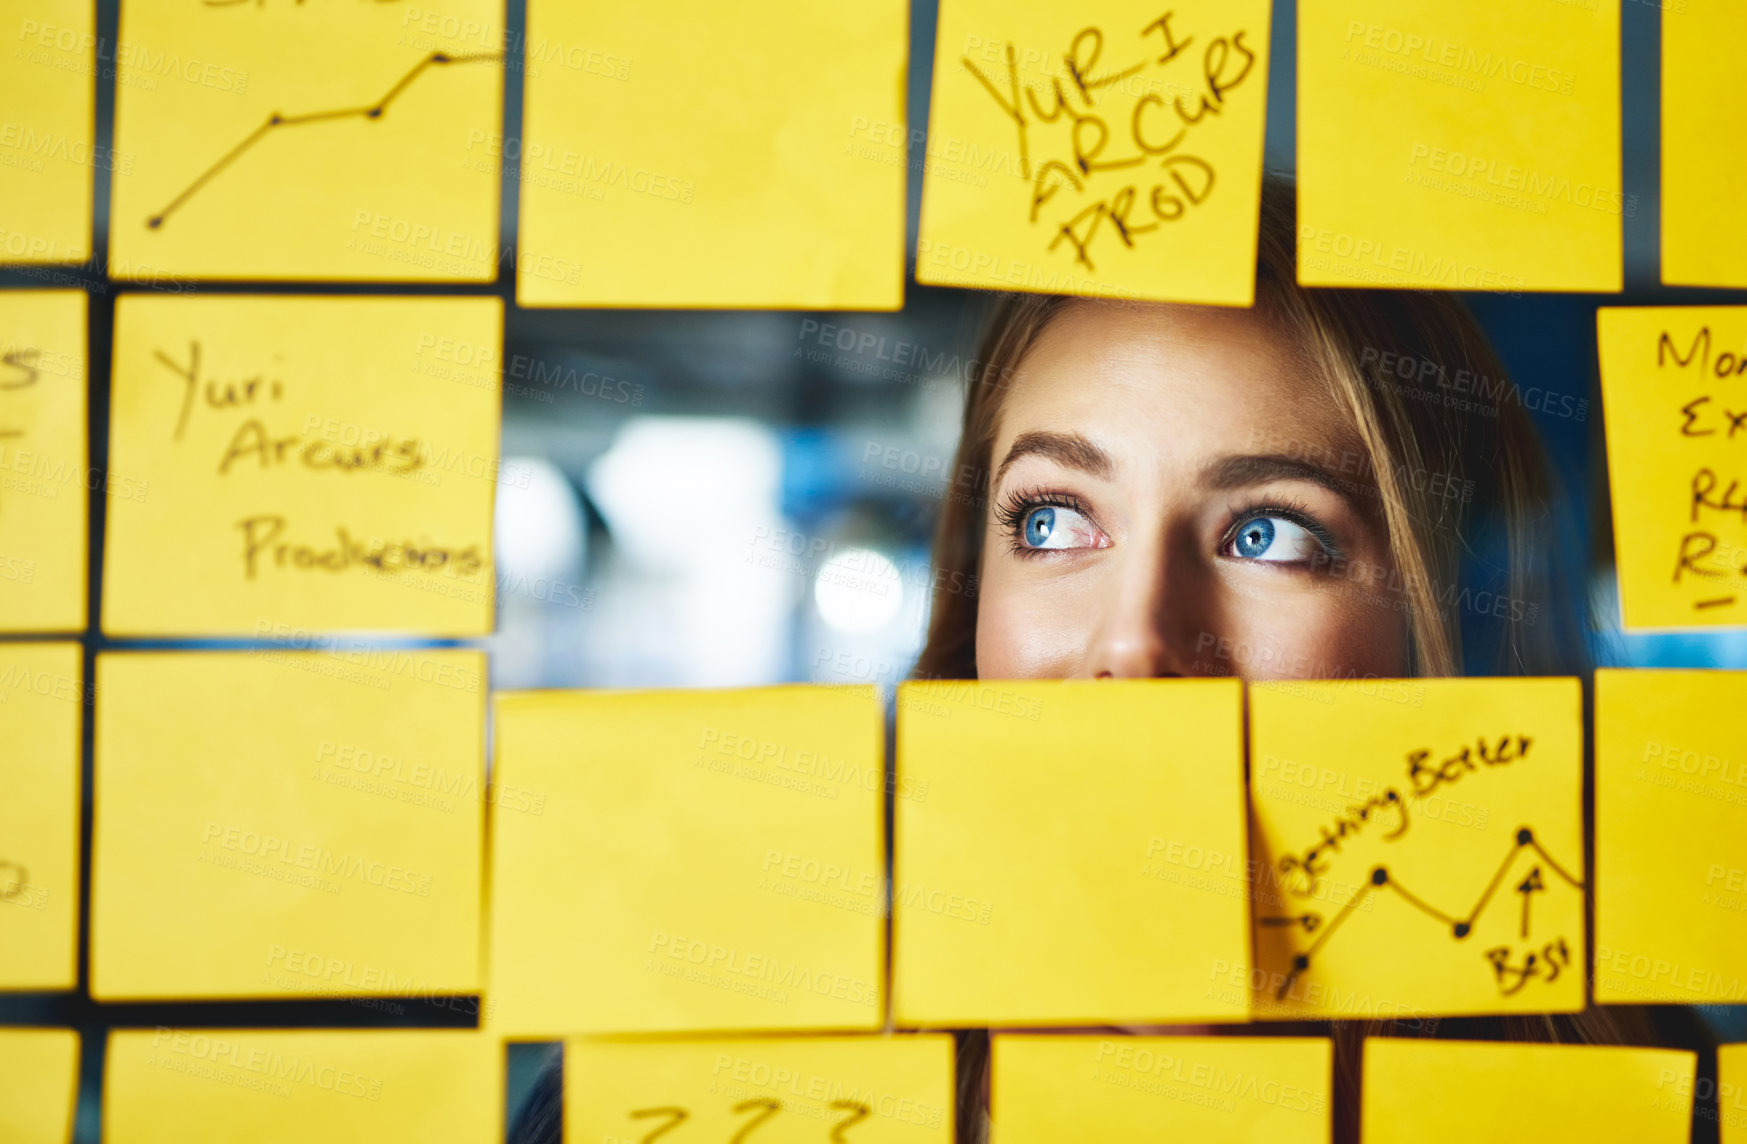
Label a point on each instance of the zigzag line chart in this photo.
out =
(368, 112)
(1460, 926)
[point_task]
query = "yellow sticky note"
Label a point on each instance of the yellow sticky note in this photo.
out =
(1470, 146)
(1674, 398)
(781, 1090)
(285, 464)
(1418, 847)
(307, 141)
(48, 142)
(1704, 177)
(1731, 1093)
(1069, 852)
(1670, 837)
(365, 1086)
(43, 470)
(39, 1085)
(689, 861)
(41, 713)
(287, 824)
(1214, 1090)
(697, 154)
(1432, 1091)
(1113, 149)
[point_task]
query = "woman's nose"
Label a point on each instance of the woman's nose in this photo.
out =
(1143, 630)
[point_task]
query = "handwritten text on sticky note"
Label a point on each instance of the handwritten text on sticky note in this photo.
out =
(43, 472)
(318, 463)
(1674, 393)
(848, 1090)
(1115, 151)
(1419, 846)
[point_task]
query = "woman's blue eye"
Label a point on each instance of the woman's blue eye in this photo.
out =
(1058, 527)
(1039, 523)
(1255, 537)
(1275, 540)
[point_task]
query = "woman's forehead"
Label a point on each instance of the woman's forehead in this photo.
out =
(1162, 334)
(1192, 373)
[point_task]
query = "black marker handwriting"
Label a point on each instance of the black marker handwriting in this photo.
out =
(216, 394)
(1547, 963)
(25, 360)
(369, 113)
(857, 1113)
(264, 546)
(1304, 871)
(1428, 778)
(677, 1117)
(1704, 484)
(769, 1109)
(762, 1109)
(1105, 137)
(1543, 964)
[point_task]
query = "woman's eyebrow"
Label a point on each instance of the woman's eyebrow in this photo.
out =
(1068, 449)
(1243, 469)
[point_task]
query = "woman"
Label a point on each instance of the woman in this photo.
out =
(1298, 479)
(1301, 489)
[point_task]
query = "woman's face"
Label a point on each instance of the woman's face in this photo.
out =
(1173, 494)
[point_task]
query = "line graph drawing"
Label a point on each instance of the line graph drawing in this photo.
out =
(277, 119)
(1460, 927)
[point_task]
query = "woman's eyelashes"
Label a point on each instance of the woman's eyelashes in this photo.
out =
(1048, 522)
(1287, 535)
(1279, 534)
